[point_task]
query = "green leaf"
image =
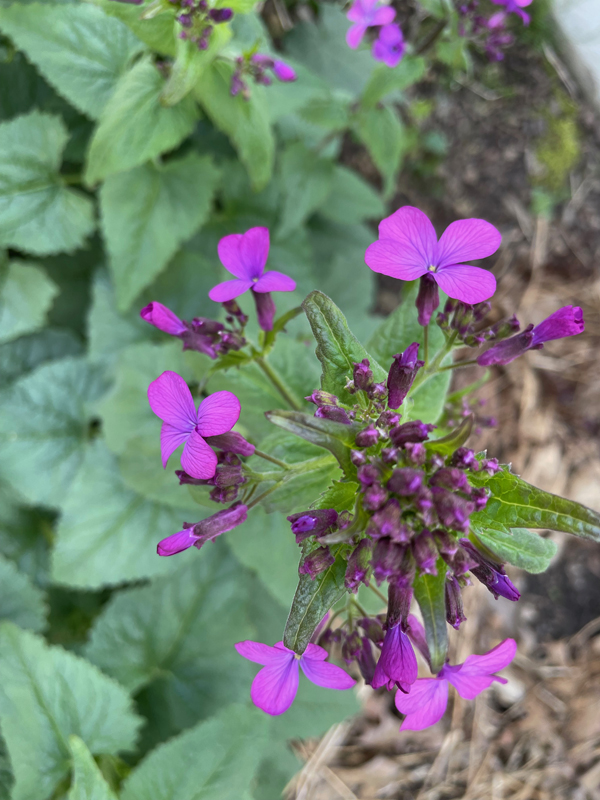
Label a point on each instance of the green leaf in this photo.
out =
(26, 294)
(341, 496)
(307, 182)
(25, 535)
(351, 200)
(337, 347)
(20, 601)
(38, 214)
(446, 445)
(24, 354)
(329, 112)
(517, 504)
(246, 122)
(312, 601)
(385, 80)
(44, 428)
(516, 546)
(147, 213)
(88, 782)
(382, 133)
(430, 595)
(266, 545)
(228, 748)
(48, 694)
(332, 436)
(190, 64)
(156, 32)
(180, 630)
(394, 335)
(134, 127)
(108, 534)
(77, 48)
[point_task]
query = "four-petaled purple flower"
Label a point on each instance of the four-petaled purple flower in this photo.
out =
(567, 321)
(408, 249)
(389, 46)
(172, 402)
(515, 7)
(275, 686)
(245, 256)
(426, 703)
(365, 14)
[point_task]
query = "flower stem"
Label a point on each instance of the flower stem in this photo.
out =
(426, 345)
(379, 594)
(360, 608)
(458, 365)
(283, 390)
(273, 460)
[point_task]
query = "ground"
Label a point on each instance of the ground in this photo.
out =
(522, 152)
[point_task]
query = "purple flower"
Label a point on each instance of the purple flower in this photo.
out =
(163, 318)
(408, 249)
(171, 400)
(515, 7)
(365, 14)
(397, 665)
(490, 573)
(428, 698)
(219, 15)
(245, 256)
(282, 71)
(275, 686)
(402, 374)
(204, 531)
(389, 45)
(313, 523)
(567, 321)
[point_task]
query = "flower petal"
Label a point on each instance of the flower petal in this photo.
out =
(171, 400)
(176, 543)
(218, 413)
(424, 705)
(316, 653)
(567, 321)
(321, 673)
(274, 688)
(467, 240)
(229, 290)
(476, 674)
(414, 234)
(170, 439)
(258, 652)
(273, 281)
(469, 284)
(163, 318)
(197, 459)
(254, 251)
(231, 257)
(387, 257)
(383, 15)
(355, 33)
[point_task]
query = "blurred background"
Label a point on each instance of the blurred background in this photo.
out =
(103, 210)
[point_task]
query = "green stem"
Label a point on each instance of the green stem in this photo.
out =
(426, 345)
(378, 593)
(262, 496)
(360, 608)
(273, 460)
(283, 390)
(458, 365)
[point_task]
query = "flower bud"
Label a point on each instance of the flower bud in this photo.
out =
(228, 475)
(452, 509)
(368, 475)
(428, 299)
(265, 309)
(163, 318)
(316, 562)
(313, 523)
(454, 604)
(231, 442)
(405, 481)
(388, 523)
(373, 628)
(367, 437)
(506, 351)
(320, 398)
(415, 431)
(352, 646)
(387, 419)
(366, 661)
(491, 573)
(463, 458)
(358, 566)
(224, 495)
(388, 558)
(374, 497)
(334, 414)
(402, 374)
(446, 543)
(416, 453)
(358, 458)
(390, 455)
(362, 375)
(450, 478)
(219, 15)
(504, 329)
(221, 522)
(425, 553)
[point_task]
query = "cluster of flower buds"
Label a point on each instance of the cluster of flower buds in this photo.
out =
(203, 335)
(489, 33)
(197, 20)
(465, 320)
(257, 67)
(229, 475)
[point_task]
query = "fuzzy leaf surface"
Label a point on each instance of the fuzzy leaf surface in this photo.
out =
(21, 601)
(517, 546)
(88, 782)
(26, 294)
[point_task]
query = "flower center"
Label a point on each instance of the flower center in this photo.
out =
(431, 268)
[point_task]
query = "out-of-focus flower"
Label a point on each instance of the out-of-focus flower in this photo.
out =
(365, 14)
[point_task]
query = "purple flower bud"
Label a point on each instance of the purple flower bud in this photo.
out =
(316, 562)
(463, 458)
(428, 299)
(265, 309)
(283, 72)
(450, 478)
(334, 414)
(416, 452)
(358, 458)
(208, 529)
(231, 443)
(399, 600)
(320, 398)
(490, 573)
(228, 475)
(185, 20)
(362, 375)
(377, 391)
(367, 437)
(402, 374)
(368, 475)
(388, 523)
(219, 15)
(567, 321)
(237, 85)
(358, 566)
(462, 318)
(352, 646)
(184, 478)
(425, 553)
(452, 509)
(262, 60)
(416, 634)
(460, 563)
(224, 495)
(163, 318)
(387, 419)
(366, 661)
(490, 465)
(446, 543)
(374, 497)
(405, 481)
(388, 558)
(481, 310)
(415, 431)
(373, 628)
(479, 497)
(454, 604)
(313, 523)
(390, 455)
(506, 351)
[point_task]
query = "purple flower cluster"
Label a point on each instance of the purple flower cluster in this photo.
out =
(491, 33)
(197, 20)
(257, 67)
(389, 45)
